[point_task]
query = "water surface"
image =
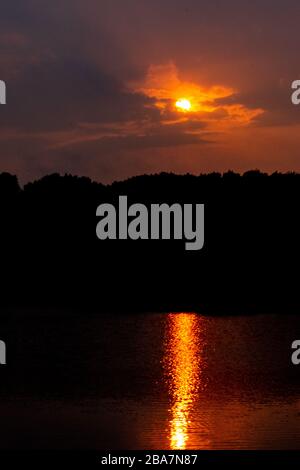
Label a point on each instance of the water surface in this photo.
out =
(150, 381)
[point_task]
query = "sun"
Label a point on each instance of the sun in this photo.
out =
(183, 105)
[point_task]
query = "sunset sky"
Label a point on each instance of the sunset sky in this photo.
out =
(92, 86)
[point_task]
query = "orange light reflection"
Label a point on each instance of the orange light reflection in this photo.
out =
(182, 367)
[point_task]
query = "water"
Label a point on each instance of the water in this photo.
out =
(150, 381)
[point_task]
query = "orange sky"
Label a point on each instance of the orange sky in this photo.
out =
(103, 103)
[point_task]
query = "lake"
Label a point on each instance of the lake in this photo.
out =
(149, 381)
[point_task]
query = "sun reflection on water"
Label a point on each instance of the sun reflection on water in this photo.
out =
(182, 364)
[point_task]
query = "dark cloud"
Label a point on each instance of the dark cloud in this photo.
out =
(275, 99)
(160, 139)
(58, 94)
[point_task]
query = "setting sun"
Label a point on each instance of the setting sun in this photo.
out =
(183, 104)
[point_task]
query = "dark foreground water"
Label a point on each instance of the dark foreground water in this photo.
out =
(155, 381)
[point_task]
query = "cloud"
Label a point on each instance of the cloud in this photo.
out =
(91, 86)
(274, 98)
(215, 103)
(56, 94)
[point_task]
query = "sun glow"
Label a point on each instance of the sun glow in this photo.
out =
(183, 105)
(209, 104)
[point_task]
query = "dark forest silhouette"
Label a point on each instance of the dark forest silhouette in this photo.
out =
(51, 257)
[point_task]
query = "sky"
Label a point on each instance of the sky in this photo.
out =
(92, 86)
